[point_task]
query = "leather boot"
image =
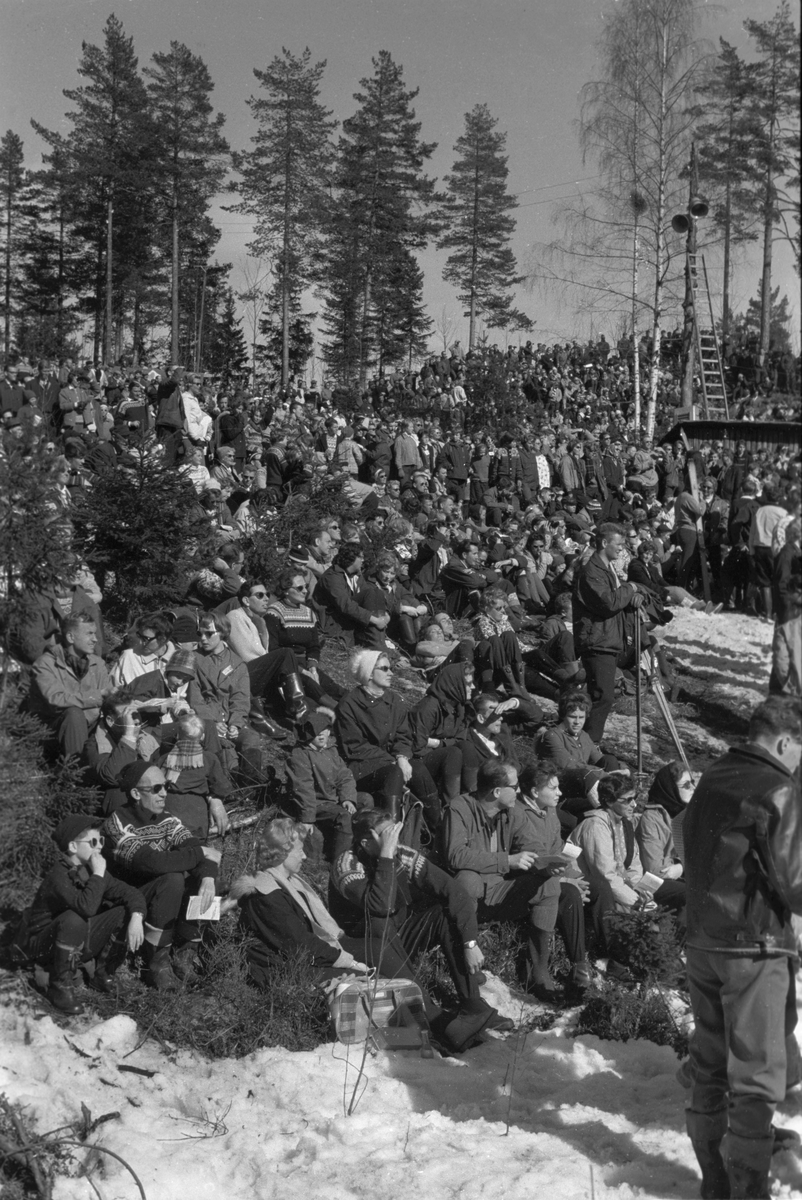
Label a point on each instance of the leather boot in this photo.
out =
(408, 637)
(748, 1161)
(64, 979)
(159, 972)
(261, 722)
(706, 1131)
(294, 696)
(107, 963)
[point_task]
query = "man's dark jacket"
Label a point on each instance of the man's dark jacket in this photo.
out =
(742, 834)
(599, 608)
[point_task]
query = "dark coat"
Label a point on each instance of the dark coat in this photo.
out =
(599, 608)
(742, 834)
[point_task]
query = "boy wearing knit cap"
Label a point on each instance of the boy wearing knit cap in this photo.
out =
(77, 911)
(324, 790)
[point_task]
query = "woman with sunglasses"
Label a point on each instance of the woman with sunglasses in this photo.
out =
(375, 739)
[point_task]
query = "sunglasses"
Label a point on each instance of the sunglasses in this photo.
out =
(96, 841)
(160, 787)
(258, 595)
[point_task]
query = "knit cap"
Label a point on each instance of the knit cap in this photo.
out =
(182, 663)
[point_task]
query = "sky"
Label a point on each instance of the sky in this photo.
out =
(526, 59)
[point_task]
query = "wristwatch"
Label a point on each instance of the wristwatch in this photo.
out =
(470, 945)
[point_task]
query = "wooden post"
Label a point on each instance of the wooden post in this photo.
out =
(700, 532)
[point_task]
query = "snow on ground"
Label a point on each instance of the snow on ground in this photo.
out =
(537, 1116)
(722, 664)
(587, 1118)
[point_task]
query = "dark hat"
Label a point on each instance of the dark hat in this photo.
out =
(132, 774)
(68, 829)
(348, 431)
(183, 661)
(314, 724)
(185, 629)
(299, 554)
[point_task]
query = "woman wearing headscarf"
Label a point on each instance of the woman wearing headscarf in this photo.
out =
(659, 831)
(440, 722)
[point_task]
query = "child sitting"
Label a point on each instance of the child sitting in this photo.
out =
(324, 790)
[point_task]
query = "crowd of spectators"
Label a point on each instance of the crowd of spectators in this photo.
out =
(503, 545)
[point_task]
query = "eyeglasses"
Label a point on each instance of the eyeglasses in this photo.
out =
(258, 595)
(95, 841)
(160, 787)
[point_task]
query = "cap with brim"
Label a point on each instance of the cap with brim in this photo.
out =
(70, 827)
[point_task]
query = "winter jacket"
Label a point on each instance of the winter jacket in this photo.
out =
(221, 690)
(441, 712)
(598, 608)
(743, 855)
(71, 888)
(56, 686)
(372, 730)
(318, 775)
(344, 609)
(610, 864)
(477, 842)
(566, 752)
(655, 840)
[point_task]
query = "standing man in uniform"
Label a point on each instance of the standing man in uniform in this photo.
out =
(743, 870)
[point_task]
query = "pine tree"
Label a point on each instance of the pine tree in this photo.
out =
(192, 154)
(775, 150)
(111, 147)
(478, 226)
(285, 179)
(12, 179)
(724, 157)
(381, 215)
(226, 352)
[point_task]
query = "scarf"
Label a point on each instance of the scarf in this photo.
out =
(186, 755)
(323, 924)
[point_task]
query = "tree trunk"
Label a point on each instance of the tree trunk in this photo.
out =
(635, 346)
(765, 286)
(109, 278)
(174, 348)
(7, 316)
(725, 316)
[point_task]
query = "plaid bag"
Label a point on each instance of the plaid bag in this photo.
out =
(389, 1011)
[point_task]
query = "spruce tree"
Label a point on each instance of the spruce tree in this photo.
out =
(382, 214)
(111, 146)
(723, 138)
(285, 179)
(12, 179)
(192, 154)
(478, 224)
(774, 103)
(226, 352)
